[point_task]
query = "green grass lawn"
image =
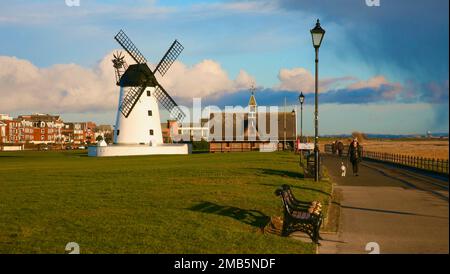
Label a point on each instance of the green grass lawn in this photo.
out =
(200, 203)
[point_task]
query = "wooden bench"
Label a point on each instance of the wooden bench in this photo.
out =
(297, 217)
(295, 202)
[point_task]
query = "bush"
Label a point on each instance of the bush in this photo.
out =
(202, 145)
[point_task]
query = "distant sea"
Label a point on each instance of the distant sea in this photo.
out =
(389, 136)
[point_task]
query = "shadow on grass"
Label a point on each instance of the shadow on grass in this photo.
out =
(200, 151)
(11, 156)
(282, 173)
(251, 217)
(71, 153)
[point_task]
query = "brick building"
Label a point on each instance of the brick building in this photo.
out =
(169, 131)
(79, 132)
(41, 128)
(44, 129)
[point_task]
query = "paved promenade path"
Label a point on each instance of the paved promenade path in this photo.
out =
(401, 210)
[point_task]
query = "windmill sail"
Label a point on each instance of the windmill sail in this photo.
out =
(171, 55)
(130, 99)
(129, 47)
(168, 103)
(138, 77)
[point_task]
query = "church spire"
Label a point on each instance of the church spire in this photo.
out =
(252, 105)
(252, 101)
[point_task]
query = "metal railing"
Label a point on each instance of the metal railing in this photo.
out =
(422, 163)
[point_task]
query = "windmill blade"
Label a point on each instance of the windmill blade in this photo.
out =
(168, 103)
(171, 55)
(129, 47)
(130, 100)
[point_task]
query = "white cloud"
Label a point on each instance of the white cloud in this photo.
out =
(300, 79)
(40, 13)
(59, 88)
(70, 88)
(206, 78)
(296, 79)
(388, 89)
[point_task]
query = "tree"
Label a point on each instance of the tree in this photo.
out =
(108, 138)
(99, 138)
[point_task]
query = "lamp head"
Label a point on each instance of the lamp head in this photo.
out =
(317, 34)
(301, 98)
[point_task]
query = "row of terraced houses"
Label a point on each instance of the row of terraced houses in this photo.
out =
(46, 129)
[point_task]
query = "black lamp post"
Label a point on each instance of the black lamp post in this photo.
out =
(301, 99)
(317, 34)
(294, 130)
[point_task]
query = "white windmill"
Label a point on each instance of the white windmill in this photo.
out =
(138, 127)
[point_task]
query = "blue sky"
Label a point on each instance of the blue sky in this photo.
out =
(382, 69)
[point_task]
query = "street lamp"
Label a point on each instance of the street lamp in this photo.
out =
(301, 99)
(294, 129)
(317, 34)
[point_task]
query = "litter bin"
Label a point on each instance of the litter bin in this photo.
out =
(309, 171)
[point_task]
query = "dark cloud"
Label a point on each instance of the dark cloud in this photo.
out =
(412, 35)
(431, 92)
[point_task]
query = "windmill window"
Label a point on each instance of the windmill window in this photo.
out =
(151, 132)
(150, 113)
(148, 93)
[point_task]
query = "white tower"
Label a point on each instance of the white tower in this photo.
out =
(143, 125)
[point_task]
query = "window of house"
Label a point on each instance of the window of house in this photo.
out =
(42, 130)
(151, 132)
(150, 113)
(42, 137)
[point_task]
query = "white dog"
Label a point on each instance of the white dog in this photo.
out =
(343, 169)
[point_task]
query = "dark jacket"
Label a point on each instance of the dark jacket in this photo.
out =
(355, 153)
(340, 146)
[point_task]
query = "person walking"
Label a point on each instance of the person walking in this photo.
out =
(340, 148)
(354, 155)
